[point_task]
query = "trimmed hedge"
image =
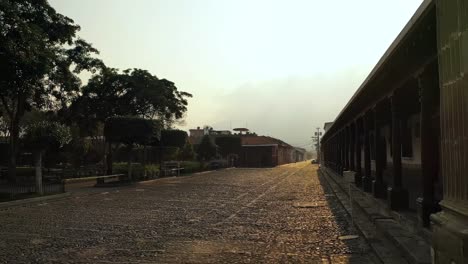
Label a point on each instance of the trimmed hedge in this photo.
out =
(129, 130)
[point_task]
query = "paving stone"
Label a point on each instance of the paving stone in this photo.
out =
(286, 214)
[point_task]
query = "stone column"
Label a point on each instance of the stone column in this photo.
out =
(429, 98)
(335, 154)
(325, 153)
(357, 149)
(450, 226)
(378, 186)
(338, 154)
(345, 149)
(342, 159)
(351, 148)
(333, 146)
(367, 178)
(397, 197)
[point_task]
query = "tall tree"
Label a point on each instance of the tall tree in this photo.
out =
(40, 56)
(132, 92)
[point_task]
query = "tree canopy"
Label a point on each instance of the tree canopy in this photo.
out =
(46, 134)
(173, 138)
(40, 56)
(132, 92)
(129, 130)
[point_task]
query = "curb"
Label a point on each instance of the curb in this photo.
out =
(382, 248)
(15, 203)
(184, 176)
(410, 245)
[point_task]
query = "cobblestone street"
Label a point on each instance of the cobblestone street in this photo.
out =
(281, 215)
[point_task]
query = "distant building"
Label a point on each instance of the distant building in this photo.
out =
(299, 154)
(256, 151)
(195, 135)
(263, 151)
(220, 132)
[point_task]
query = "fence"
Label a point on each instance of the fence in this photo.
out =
(10, 191)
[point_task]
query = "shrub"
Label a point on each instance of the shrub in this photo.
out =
(207, 149)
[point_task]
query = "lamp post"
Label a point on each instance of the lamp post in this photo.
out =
(316, 138)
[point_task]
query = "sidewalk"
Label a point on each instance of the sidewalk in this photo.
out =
(403, 244)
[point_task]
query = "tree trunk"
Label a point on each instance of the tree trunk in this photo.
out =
(109, 159)
(38, 167)
(15, 114)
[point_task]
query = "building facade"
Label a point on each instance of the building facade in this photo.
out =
(404, 133)
(263, 151)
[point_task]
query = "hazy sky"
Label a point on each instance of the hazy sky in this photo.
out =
(279, 67)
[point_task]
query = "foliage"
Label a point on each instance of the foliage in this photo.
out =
(4, 127)
(83, 151)
(173, 138)
(152, 169)
(40, 54)
(228, 145)
(207, 149)
(170, 153)
(46, 134)
(187, 152)
(128, 130)
(137, 168)
(40, 57)
(122, 168)
(133, 92)
(192, 166)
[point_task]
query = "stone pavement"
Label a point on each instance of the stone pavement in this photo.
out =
(286, 214)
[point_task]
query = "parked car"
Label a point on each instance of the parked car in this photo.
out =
(314, 161)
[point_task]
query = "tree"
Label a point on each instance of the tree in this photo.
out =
(129, 131)
(40, 57)
(133, 92)
(207, 149)
(187, 152)
(228, 145)
(42, 136)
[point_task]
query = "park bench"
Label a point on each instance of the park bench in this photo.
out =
(172, 168)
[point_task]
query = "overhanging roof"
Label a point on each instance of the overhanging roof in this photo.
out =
(418, 16)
